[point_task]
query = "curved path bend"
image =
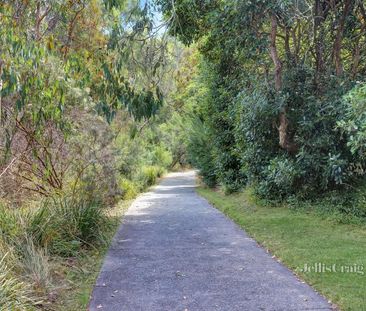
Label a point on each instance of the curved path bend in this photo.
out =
(174, 251)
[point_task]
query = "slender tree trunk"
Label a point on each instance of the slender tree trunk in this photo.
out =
(274, 54)
(356, 58)
(1, 88)
(318, 39)
(285, 140)
(39, 19)
(70, 31)
(337, 49)
(357, 49)
(287, 47)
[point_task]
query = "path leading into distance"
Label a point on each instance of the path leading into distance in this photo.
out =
(174, 251)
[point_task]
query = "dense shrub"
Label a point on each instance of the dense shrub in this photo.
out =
(148, 175)
(353, 122)
(129, 189)
(161, 156)
(255, 132)
(322, 161)
(279, 180)
(199, 155)
(63, 225)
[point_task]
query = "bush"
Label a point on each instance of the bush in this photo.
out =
(129, 189)
(34, 264)
(149, 174)
(323, 160)
(14, 294)
(280, 179)
(161, 157)
(353, 123)
(199, 155)
(63, 225)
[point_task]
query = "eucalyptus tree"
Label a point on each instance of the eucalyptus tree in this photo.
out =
(58, 58)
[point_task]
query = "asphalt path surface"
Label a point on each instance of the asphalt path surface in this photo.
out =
(174, 251)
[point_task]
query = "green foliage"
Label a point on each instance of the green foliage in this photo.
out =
(63, 225)
(323, 160)
(273, 113)
(148, 175)
(129, 189)
(280, 178)
(199, 156)
(353, 123)
(255, 132)
(161, 156)
(189, 17)
(14, 294)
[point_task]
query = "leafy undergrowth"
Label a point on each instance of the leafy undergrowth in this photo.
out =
(51, 250)
(50, 257)
(78, 274)
(301, 239)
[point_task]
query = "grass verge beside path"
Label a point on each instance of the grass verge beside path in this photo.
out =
(305, 241)
(80, 273)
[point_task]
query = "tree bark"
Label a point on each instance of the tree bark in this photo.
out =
(274, 54)
(318, 19)
(357, 49)
(356, 58)
(1, 88)
(39, 18)
(285, 140)
(339, 37)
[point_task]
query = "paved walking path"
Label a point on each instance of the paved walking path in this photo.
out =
(174, 251)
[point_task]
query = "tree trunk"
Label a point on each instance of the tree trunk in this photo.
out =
(274, 54)
(357, 49)
(356, 58)
(339, 37)
(1, 88)
(285, 141)
(318, 39)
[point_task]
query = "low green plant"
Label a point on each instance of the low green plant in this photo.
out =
(149, 174)
(9, 223)
(14, 294)
(63, 225)
(34, 263)
(129, 189)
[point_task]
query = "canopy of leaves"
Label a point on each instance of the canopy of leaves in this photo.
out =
(276, 73)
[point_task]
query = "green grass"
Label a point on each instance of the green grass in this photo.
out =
(79, 274)
(297, 237)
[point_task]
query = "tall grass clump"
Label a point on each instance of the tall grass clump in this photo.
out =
(14, 294)
(149, 175)
(29, 262)
(64, 225)
(9, 223)
(129, 189)
(34, 264)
